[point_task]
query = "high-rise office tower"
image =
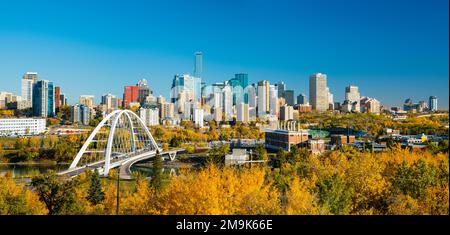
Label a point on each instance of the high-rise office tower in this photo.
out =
(242, 113)
(433, 105)
(144, 91)
(87, 100)
(353, 97)
(188, 84)
(243, 81)
(63, 99)
(198, 117)
(263, 97)
(28, 80)
(236, 90)
(301, 99)
(198, 72)
(227, 102)
(330, 99)
(130, 95)
(110, 101)
(273, 100)
(281, 88)
(288, 97)
(251, 96)
(218, 100)
(318, 96)
(198, 69)
(43, 99)
(57, 97)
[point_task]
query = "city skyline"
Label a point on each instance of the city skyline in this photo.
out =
(68, 57)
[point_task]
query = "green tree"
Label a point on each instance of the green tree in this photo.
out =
(413, 180)
(58, 197)
(159, 133)
(157, 176)
(334, 195)
(175, 142)
(95, 192)
(260, 152)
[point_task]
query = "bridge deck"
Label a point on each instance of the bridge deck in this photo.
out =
(124, 161)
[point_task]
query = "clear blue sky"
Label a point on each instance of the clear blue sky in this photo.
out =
(391, 49)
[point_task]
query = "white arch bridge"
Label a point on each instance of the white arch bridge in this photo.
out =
(119, 140)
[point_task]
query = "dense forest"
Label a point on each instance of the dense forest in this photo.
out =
(397, 181)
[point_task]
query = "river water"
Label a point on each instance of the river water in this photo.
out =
(24, 172)
(30, 170)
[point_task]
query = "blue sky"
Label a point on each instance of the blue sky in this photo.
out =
(391, 49)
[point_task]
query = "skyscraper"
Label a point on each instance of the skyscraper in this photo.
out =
(110, 101)
(353, 97)
(263, 97)
(301, 99)
(281, 88)
(130, 94)
(198, 69)
(63, 99)
(242, 114)
(318, 96)
(188, 84)
(198, 73)
(433, 106)
(144, 91)
(288, 96)
(57, 97)
(273, 100)
(243, 81)
(28, 80)
(237, 91)
(227, 102)
(43, 99)
(251, 96)
(330, 99)
(198, 117)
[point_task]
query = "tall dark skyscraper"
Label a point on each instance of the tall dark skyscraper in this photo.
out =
(281, 87)
(301, 99)
(144, 91)
(289, 97)
(198, 70)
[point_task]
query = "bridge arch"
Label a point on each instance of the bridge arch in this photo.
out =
(120, 134)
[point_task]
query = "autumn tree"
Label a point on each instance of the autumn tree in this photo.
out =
(58, 197)
(17, 200)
